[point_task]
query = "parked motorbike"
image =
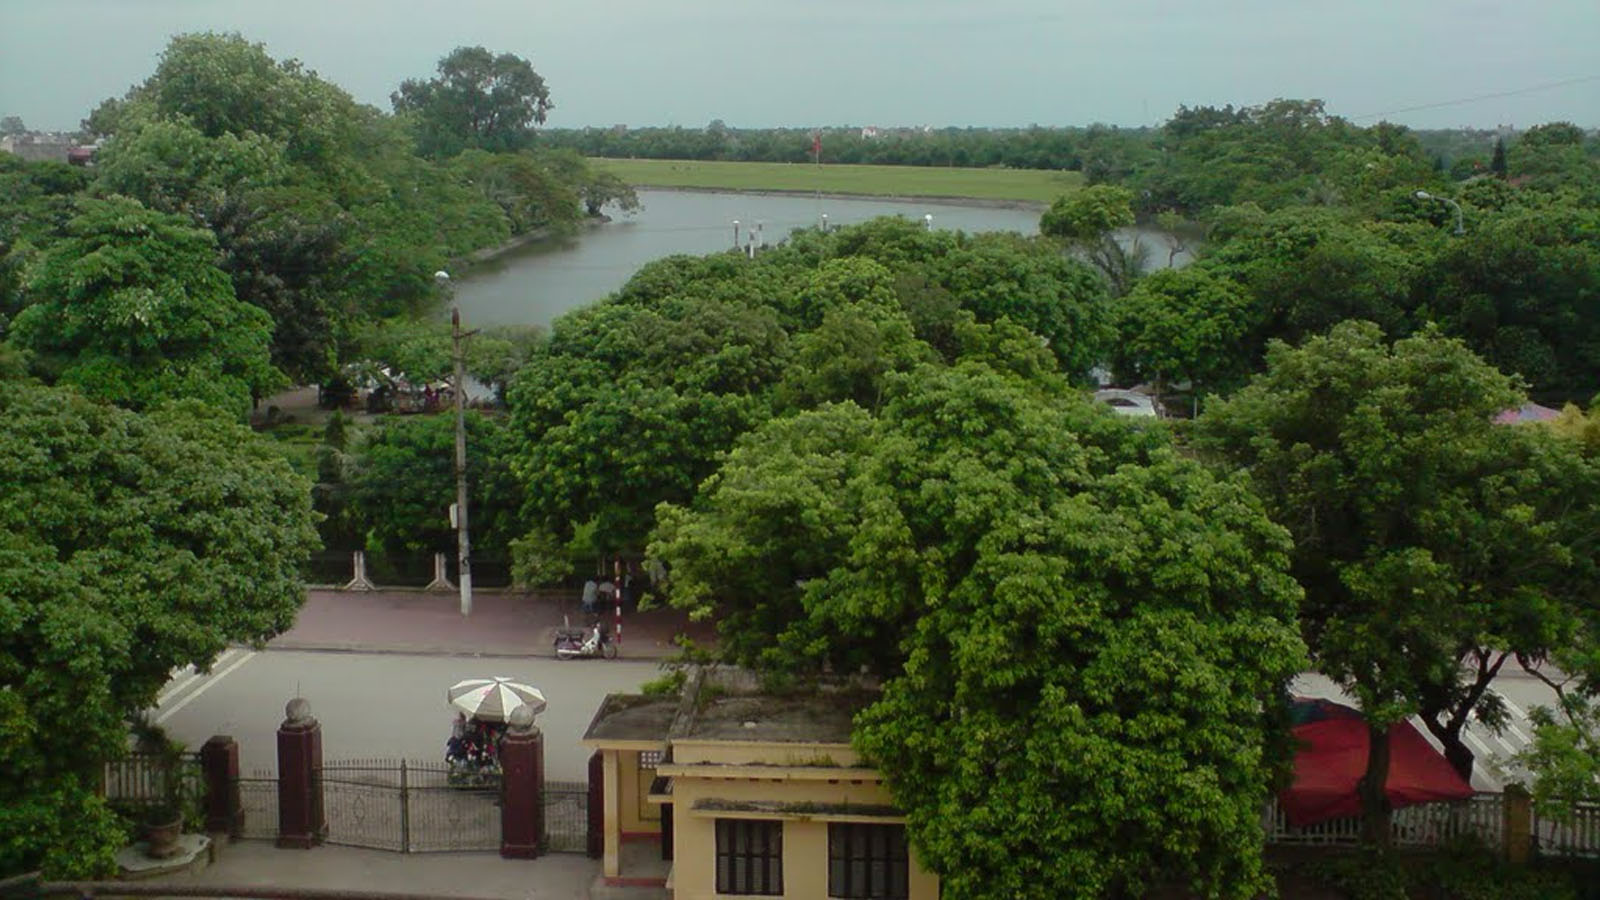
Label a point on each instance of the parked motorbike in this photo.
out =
(579, 643)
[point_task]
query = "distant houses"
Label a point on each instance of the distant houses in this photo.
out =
(43, 146)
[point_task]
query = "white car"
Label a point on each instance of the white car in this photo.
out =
(1128, 403)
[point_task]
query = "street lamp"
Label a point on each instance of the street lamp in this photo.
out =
(463, 542)
(1424, 195)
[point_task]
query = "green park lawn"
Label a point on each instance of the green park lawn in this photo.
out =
(1024, 185)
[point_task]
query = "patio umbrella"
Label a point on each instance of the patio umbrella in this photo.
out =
(493, 699)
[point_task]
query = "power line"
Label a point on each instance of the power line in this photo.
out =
(1464, 100)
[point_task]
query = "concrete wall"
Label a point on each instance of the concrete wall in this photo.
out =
(638, 817)
(689, 752)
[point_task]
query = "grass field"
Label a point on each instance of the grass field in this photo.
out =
(1015, 185)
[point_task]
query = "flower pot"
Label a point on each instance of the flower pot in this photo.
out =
(161, 836)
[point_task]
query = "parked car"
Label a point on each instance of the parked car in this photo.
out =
(1129, 403)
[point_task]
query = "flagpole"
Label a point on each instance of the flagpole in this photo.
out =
(816, 155)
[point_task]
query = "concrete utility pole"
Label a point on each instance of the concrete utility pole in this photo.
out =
(463, 539)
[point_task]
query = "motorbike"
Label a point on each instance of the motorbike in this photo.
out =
(579, 643)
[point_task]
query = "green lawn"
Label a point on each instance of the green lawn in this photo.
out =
(1027, 185)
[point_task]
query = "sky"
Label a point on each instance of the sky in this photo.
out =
(803, 63)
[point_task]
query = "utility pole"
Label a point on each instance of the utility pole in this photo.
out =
(463, 540)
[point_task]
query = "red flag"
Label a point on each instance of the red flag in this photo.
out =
(816, 145)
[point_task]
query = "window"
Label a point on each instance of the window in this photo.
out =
(868, 861)
(749, 857)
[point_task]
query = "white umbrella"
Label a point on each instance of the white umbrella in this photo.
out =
(494, 699)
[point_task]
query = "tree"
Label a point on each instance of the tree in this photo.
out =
(130, 307)
(130, 545)
(1433, 545)
(1183, 325)
(10, 126)
(1497, 162)
(402, 484)
(1086, 221)
(477, 100)
(1067, 685)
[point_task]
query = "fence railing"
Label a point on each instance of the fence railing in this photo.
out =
(1579, 836)
(1424, 825)
(139, 779)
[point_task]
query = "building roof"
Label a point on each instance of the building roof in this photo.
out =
(818, 718)
(729, 708)
(632, 717)
(1527, 412)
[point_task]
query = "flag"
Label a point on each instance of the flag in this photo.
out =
(816, 146)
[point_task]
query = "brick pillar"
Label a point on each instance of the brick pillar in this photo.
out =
(1518, 829)
(219, 766)
(301, 823)
(522, 787)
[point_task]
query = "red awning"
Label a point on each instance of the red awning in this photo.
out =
(1333, 756)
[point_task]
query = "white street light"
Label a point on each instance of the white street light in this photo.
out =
(1424, 195)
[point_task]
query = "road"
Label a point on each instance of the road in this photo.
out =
(380, 704)
(393, 705)
(1494, 752)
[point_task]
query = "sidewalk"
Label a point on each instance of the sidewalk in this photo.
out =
(502, 623)
(559, 876)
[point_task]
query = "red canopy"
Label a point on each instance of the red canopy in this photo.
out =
(1333, 756)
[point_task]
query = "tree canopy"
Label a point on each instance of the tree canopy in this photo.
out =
(130, 545)
(1078, 630)
(130, 307)
(1432, 543)
(478, 99)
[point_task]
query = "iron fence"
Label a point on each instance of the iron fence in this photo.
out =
(566, 817)
(406, 806)
(258, 805)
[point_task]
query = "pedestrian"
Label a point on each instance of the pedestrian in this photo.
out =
(608, 596)
(590, 594)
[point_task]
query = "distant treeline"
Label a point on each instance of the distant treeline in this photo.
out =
(1204, 157)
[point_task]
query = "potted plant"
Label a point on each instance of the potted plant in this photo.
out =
(163, 816)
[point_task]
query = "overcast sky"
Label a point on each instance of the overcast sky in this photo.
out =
(869, 62)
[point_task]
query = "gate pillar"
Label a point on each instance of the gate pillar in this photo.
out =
(522, 787)
(219, 765)
(301, 822)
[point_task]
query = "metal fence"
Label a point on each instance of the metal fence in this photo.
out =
(1578, 836)
(258, 805)
(1424, 825)
(406, 806)
(566, 817)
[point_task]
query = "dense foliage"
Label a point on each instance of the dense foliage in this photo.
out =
(1433, 543)
(325, 214)
(1078, 629)
(130, 545)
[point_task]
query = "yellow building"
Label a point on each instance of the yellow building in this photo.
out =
(723, 793)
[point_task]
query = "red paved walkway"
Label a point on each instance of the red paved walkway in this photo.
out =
(502, 623)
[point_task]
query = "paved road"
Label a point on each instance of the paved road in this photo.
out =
(1494, 752)
(381, 705)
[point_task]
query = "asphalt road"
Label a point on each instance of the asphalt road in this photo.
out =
(381, 705)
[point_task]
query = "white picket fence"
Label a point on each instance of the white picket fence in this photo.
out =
(1425, 825)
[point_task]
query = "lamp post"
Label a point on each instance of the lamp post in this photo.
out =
(463, 540)
(1424, 195)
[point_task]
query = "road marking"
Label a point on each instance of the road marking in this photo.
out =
(1479, 745)
(205, 687)
(1520, 736)
(1509, 705)
(180, 680)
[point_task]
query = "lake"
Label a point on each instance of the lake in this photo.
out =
(535, 284)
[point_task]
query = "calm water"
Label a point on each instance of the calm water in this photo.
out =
(538, 283)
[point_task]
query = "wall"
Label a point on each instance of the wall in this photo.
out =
(805, 838)
(638, 817)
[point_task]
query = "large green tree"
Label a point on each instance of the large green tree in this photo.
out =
(1078, 629)
(1433, 544)
(478, 99)
(130, 545)
(130, 307)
